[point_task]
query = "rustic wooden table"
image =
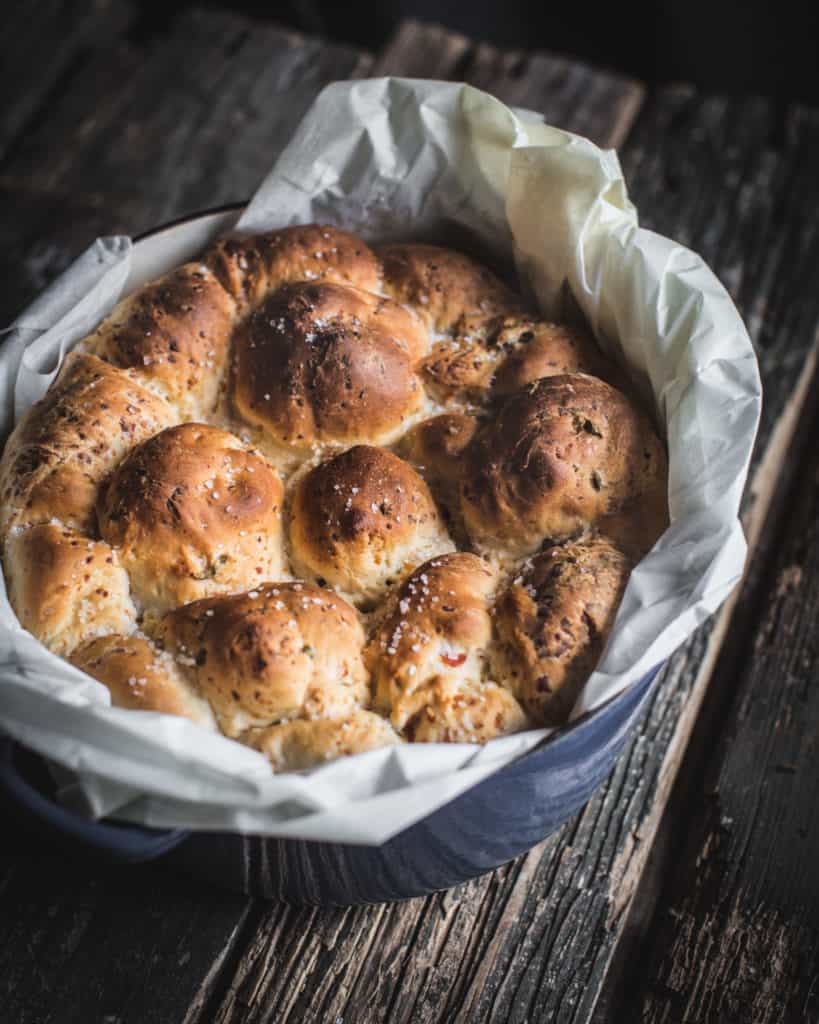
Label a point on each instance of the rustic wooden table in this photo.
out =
(687, 889)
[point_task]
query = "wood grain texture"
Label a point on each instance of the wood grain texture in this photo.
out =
(140, 135)
(737, 931)
(41, 233)
(89, 943)
(47, 41)
(195, 121)
(569, 94)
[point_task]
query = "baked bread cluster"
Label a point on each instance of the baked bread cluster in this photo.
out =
(324, 499)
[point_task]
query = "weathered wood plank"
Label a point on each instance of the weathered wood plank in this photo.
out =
(84, 943)
(47, 42)
(737, 933)
(536, 939)
(142, 137)
(569, 94)
(41, 233)
(213, 86)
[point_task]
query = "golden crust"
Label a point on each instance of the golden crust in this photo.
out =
(361, 521)
(252, 268)
(553, 622)
(437, 448)
(437, 445)
(460, 369)
(174, 333)
(306, 743)
(444, 286)
(283, 650)
(65, 588)
(323, 350)
(193, 512)
(70, 440)
(493, 358)
(446, 712)
(320, 363)
(141, 677)
(536, 348)
(428, 655)
(562, 454)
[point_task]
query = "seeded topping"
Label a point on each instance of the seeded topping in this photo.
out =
(255, 496)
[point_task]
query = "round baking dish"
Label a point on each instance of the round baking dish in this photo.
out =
(485, 827)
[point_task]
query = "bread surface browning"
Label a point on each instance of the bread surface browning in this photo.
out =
(326, 499)
(193, 512)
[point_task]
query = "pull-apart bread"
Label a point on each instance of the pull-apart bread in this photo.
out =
(325, 499)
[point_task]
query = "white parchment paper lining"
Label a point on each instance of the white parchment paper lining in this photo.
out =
(399, 158)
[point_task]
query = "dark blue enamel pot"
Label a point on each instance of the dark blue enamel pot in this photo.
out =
(497, 820)
(490, 824)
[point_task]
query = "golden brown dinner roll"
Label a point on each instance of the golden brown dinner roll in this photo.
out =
(307, 742)
(444, 286)
(436, 623)
(437, 445)
(513, 436)
(449, 711)
(460, 369)
(174, 333)
(563, 453)
(65, 588)
(320, 363)
(428, 655)
(193, 512)
(283, 650)
(553, 622)
(69, 440)
(531, 349)
(141, 677)
(499, 355)
(361, 521)
(252, 268)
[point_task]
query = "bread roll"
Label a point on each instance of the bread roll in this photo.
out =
(322, 363)
(444, 286)
(437, 449)
(65, 588)
(510, 444)
(494, 357)
(193, 512)
(562, 454)
(281, 651)
(252, 268)
(361, 521)
(553, 622)
(437, 445)
(67, 443)
(446, 711)
(175, 334)
(428, 656)
(142, 678)
(307, 742)
(531, 349)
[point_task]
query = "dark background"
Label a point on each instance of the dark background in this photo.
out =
(761, 46)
